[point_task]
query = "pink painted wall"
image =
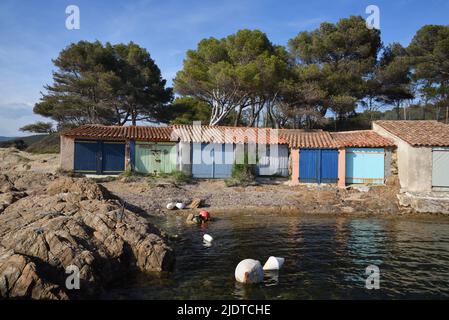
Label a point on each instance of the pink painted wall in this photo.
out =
(295, 165)
(341, 167)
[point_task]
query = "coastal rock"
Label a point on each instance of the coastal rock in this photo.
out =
(5, 184)
(347, 209)
(195, 204)
(425, 202)
(75, 222)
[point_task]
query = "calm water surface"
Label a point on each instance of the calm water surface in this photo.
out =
(325, 258)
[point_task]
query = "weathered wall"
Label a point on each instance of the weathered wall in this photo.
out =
(184, 157)
(420, 169)
(390, 162)
(414, 164)
(128, 160)
(67, 154)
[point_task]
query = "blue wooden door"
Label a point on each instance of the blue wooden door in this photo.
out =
(212, 160)
(113, 157)
(98, 157)
(365, 165)
(87, 155)
(318, 165)
(329, 166)
(309, 165)
(223, 160)
(202, 161)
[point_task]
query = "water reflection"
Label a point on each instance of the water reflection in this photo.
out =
(325, 258)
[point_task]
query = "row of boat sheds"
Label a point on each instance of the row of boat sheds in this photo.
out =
(418, 151)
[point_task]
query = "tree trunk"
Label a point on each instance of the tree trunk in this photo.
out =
(447, 114)
(239, 115)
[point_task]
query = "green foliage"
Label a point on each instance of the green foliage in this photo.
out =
(38, 127)
(108, 84)
(233, 73)
(331, 63)
(47, 144)
(429, 51)
(242, 174)
(131, 176)
(35, 144)
(185, 110)
(16, 143)
(177, 177)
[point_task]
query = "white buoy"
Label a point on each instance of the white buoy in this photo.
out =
(208, 238)
(180, 205)
(273, 263)
(170, 206)
(249, 271)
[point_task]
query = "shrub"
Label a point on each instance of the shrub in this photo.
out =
(242, 174)
(130, 176)
(175, 177)
(18, 144)
(44, 144)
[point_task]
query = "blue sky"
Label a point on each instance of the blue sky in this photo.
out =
(33, 32)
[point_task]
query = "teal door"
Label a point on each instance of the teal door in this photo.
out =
(365, 165)
(155, 158)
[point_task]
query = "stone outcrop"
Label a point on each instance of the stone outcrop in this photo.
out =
(437, 202)
(74, 223)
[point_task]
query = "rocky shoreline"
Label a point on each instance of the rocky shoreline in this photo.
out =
(274, 196)
(73, 222)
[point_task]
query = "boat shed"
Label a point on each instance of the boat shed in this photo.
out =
(367, 156)
(210, 151)
(314, 156)
(422, 153)
(100, 149)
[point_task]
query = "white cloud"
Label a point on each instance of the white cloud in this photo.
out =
(13, 116)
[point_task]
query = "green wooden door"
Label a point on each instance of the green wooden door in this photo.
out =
(155, 157)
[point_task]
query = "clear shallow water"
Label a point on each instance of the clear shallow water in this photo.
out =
(326, 258)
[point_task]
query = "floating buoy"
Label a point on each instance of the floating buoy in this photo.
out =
(170, 206)
(205, 215)
(208, 238)
(249, 271)
(274, 263)
(180, 205)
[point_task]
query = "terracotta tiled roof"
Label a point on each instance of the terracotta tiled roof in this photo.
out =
(418, 132)
(223, 134)
(308, 139)
(94, 131)
(361, 139)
